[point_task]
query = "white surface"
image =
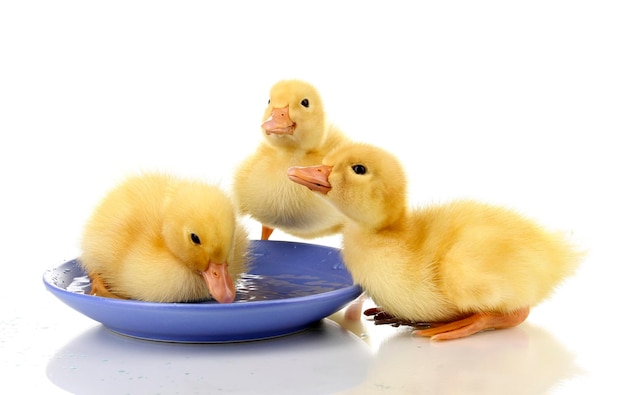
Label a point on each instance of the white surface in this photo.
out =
(516, 103)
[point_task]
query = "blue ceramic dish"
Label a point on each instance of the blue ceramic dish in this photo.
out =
(288, 287)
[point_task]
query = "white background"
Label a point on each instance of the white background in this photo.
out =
(517, 103)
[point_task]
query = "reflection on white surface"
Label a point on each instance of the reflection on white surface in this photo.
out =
(521, 360)
(323, 359)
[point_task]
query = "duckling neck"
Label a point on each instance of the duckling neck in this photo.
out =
(391, 223)
(393, 218)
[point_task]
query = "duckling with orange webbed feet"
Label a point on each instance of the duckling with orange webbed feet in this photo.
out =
(450, 270)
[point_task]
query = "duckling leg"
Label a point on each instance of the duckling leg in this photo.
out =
(99, 288)
(353, 311)
(266, 232)
(473, 324)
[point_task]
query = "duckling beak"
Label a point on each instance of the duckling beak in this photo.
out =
(313, 177)
(220, 283)
(279, 122)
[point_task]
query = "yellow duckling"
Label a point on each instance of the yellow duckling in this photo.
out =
(160, 238)
(463, 267)
(295, 132)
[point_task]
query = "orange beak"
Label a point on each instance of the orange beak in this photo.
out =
(313, 177)
(279, 122)
(219, 282)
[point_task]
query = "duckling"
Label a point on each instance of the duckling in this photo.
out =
(160, 238)
(460, 267)
(295, 131)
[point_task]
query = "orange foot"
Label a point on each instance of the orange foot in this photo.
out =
(99, 288)
(473, 324)
(456, 329)
(266, 232)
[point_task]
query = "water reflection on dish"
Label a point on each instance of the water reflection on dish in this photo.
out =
(322, 359)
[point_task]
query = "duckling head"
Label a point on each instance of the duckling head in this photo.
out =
(364, 182)
(198, 228)
(294, 116)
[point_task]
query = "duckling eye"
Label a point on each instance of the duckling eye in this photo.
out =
(305, 103)
(268, 101)
(359, 169)
(195, 239)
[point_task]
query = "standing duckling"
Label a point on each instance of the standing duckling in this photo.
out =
(160, 238)
(295, 132)
(463, 267)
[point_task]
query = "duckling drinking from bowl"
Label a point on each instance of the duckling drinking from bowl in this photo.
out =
(161, 238)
